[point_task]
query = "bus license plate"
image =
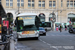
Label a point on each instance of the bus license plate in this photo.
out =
(28, 32)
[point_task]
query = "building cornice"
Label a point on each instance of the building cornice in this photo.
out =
(37, 9)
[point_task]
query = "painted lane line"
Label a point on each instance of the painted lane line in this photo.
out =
(43, 41)
(60, 35)
(48, 44)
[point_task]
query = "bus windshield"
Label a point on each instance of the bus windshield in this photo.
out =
(26, 23)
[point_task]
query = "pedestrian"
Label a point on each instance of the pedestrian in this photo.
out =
(12, 26)
(60, 28)
(56, 28)
(4, 33)
(10, 30)
(65, 27)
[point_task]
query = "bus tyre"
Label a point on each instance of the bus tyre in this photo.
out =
(17, 39)
(70, 32)
(37, 38)
(46, 30)
(44, 34)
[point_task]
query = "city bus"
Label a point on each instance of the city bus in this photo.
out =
(27, 25)
(46, 25)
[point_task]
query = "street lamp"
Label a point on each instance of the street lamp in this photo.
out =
(18, 9)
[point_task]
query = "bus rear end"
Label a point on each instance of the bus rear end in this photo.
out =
(46, 25)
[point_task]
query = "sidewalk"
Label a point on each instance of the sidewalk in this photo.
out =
(20, 46)
(1, 46)
(17, 46)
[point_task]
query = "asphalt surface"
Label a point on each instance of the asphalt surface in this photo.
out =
(54, 40)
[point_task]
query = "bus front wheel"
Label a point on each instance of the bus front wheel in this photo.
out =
(36, 38)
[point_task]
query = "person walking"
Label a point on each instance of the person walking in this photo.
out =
(65, 27)
(4, 33)
(60, 28)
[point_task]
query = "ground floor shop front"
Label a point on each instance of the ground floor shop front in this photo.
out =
(62, 16)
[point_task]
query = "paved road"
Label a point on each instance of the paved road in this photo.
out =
(54, 40)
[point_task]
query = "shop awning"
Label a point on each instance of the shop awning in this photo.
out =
(2, 12)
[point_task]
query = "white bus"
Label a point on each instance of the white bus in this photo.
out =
(27, 25)
(46, 25)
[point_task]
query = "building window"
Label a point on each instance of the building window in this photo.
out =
(74, 3)
(71, 3)
(7, 2)
(61, 3)
(50, 3)
(39, 3)
(54, 4)
(30, 3)
(20, 3)
(11, 3)
(43, 3)
(0, 1)
(67, 3)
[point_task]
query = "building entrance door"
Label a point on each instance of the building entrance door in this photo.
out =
(42, 17)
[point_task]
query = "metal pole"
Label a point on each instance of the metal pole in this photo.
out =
(57, 10)
(18, 8)
(60, 17)
(53, 21)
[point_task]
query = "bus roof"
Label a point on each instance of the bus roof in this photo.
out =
(26, 14)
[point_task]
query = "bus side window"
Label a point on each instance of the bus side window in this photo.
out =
(37, 22)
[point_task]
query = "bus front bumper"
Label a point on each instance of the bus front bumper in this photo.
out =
(27, 36)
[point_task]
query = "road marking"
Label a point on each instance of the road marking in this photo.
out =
(48, 44)
(47, 35)
(60, 35)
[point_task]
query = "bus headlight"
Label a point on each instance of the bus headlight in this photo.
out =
(36, 32)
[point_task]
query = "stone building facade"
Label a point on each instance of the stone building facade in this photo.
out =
(64, 9)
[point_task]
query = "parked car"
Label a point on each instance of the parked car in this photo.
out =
(71, 29)
(42, 31)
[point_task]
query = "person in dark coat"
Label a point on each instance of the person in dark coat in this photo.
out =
(60, 28)
(4, 33)
(65, 27)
